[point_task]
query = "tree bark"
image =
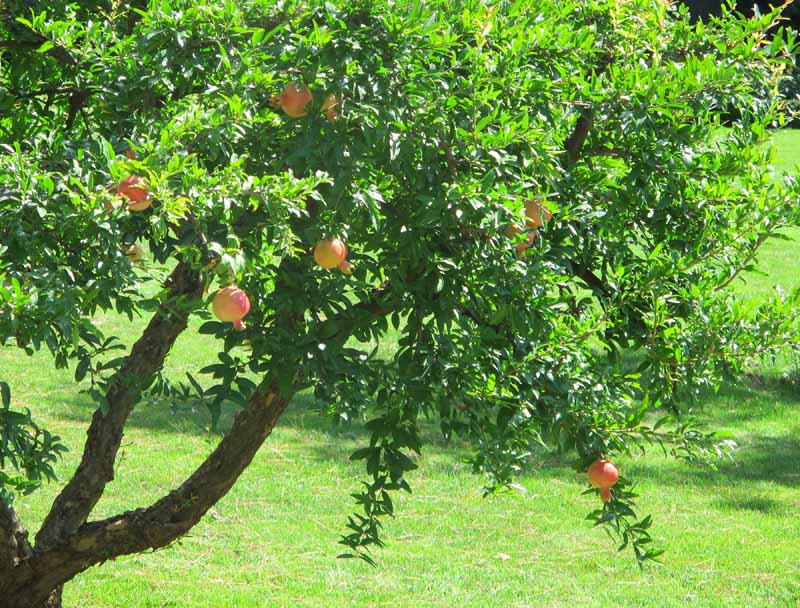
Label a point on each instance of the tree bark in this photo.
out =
(574, 143)
(14, 545)
(69, 545)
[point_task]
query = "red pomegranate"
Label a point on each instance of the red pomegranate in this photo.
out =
(603, 474)
(346, 267)
(534, 210)
(135, 190)
(231, 304)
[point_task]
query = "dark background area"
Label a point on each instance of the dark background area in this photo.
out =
(790, 88)
(702, 9)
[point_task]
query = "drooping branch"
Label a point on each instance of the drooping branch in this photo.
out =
(166, 520)
(76, 501)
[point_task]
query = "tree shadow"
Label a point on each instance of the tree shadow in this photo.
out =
(761, 458)
(760, 504)
(755, 399)
(332, 440)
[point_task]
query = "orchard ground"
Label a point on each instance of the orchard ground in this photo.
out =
(732, 537)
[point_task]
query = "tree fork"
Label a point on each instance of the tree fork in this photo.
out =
(75, 502)
(159, 524)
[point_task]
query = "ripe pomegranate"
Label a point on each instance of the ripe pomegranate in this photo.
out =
(330, 253)
(231, 304)
(135, 253)
(346, 267)
(603, 474)
(329, 107)
(534, 211)
(135, 190)
(293, 101)
(512, 230)
(130, 154)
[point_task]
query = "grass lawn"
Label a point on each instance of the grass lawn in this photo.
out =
(732, 537)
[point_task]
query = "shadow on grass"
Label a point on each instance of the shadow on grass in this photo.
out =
(760, 504)
(304, 415)
(761, 458)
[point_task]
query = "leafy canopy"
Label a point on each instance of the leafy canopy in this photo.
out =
(640, 133)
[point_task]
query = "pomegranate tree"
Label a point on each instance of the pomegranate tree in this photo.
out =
(589, 330)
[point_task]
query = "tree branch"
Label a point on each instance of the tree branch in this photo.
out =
(75, 502)
(762, 238)
(575, 142)
(59, 53)
(166, 520)
(591, 279)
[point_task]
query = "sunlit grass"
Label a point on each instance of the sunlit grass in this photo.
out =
(731, 536)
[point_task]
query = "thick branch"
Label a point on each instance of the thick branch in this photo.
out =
(58, 53)
(76, 501)
(591, 279)
(165, 521)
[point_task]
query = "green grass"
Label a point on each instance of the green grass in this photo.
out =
(732, 537)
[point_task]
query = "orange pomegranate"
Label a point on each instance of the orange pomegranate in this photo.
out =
(521, 247)
(231, 304)
(603, 474)
(512, 230)
(293, 101)
(330, 253)
(534, 209)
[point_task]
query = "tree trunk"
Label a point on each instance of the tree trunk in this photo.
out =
(53, 600)
(33, 581)
(73, 505)
(70, 544)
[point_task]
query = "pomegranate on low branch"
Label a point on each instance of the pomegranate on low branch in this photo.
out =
(330, 253)
(603, 474)
(293, 101)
